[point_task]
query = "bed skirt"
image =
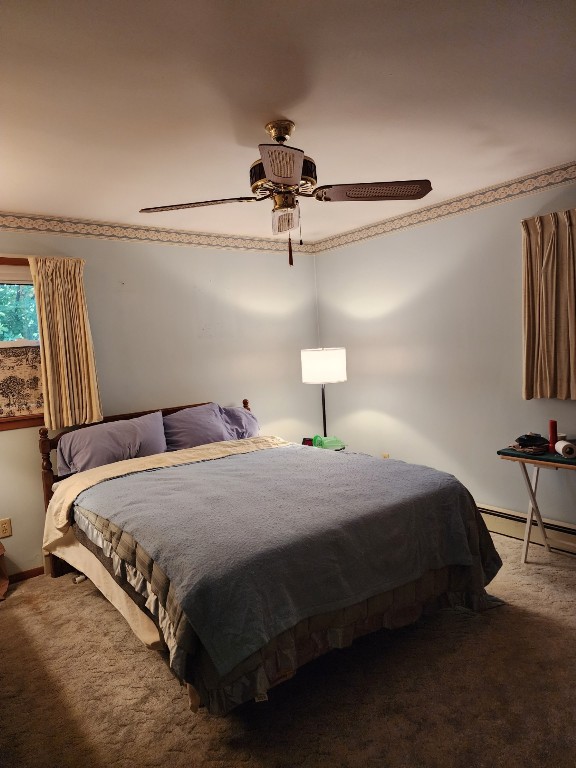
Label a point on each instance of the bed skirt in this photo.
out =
(280, 658)
(313, 637)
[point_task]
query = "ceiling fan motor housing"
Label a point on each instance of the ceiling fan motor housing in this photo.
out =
(260, 185)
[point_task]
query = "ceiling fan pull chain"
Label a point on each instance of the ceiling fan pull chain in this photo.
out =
(290, 259)
(300, 225)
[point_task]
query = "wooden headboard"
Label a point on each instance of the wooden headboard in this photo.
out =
(48, 444)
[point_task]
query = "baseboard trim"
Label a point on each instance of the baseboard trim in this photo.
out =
(562, 536)
(23, 575)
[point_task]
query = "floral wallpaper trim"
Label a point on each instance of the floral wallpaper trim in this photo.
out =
(536, 182)
(526, 185)
(109, 231)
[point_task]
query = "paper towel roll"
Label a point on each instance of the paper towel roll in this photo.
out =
(568, 450)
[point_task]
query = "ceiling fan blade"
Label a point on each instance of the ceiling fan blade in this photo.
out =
(376, 190)
(282, 165)
(181, 206)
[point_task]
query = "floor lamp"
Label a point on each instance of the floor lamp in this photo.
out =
(323, 366)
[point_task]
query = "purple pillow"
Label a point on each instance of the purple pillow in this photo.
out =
(109, 442)
(196, 426)
(151, 429)
(242, 422)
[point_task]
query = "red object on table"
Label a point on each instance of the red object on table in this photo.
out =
(553, 435)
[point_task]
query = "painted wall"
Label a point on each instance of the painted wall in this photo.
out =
(431, 318)
(432, 321)
(174, 325)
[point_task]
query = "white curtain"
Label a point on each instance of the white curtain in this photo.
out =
(69, 378)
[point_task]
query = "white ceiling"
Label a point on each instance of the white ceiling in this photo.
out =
(110, 106)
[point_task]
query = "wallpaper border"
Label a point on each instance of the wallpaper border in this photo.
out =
(24, 222)
(500, 193)
(525, 185)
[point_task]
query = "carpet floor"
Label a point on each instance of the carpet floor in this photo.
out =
(455, 690)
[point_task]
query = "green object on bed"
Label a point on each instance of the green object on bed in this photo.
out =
(333, 443)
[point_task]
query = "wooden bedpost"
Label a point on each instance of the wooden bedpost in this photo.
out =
(47, 471)
(246, 404)
(53, 566)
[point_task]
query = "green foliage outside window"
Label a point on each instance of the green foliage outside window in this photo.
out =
(18, 318)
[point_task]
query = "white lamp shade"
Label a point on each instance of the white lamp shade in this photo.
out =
(323, 366)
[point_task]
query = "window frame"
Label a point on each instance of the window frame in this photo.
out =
(19, 422)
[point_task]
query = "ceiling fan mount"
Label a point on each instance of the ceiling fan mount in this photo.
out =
(285, 173)
(280, 130)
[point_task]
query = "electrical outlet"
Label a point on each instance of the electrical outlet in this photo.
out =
(5, 527)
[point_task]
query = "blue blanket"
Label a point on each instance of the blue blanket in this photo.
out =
(254, 543)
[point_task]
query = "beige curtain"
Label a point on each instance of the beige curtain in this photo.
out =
(68, 365)
(549, 306)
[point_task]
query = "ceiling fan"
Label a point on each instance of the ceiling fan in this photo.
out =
(284, 173)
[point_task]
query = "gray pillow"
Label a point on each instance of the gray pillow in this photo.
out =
(196, 426)
(114, 441)
(242, 422)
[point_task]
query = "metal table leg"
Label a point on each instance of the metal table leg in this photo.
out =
(533, 510)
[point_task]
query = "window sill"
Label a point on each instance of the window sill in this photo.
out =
(19, 343)
(21, 422)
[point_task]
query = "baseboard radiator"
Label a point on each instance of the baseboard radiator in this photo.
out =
(562, 536)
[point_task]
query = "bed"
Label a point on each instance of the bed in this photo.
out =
(245, 556)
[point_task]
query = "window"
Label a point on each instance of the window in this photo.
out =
(21, 399)
(18, 318)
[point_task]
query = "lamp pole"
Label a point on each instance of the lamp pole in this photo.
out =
(324, 409)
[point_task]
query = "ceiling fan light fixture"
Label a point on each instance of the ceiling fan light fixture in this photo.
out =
(284, 221)
(285, 214)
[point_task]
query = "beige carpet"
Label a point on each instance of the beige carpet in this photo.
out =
(458, 689)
